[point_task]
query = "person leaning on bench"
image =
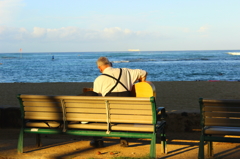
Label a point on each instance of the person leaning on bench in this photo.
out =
(116, 82)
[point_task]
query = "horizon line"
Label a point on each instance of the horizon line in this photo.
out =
(119, 51)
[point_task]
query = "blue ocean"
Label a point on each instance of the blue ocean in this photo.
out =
(223, 65)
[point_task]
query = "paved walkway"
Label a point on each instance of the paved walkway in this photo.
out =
(180, 146)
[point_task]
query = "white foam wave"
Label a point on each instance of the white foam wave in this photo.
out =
(234, 53)
(119, 61)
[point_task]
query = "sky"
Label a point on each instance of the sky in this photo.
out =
(118, 25)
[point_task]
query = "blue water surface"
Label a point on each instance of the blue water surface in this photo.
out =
(81, 66)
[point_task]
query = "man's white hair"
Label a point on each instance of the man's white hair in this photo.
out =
(103, 61)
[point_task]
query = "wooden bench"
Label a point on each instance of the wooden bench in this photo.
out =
(126, 117)
(218, 119)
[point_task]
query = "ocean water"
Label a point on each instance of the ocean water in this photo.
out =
(221, 65)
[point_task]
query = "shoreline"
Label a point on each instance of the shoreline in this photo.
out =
(173, 95)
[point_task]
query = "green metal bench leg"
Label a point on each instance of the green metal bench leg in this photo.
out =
(153, 147)
(201, 148)
(20, 141)
(163, 143)
(38, 140)
(210, 149)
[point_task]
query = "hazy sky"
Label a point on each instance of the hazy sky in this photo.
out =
(118, 25)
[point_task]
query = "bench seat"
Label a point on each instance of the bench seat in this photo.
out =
(43, 124)
(221, 130)
(114, 127)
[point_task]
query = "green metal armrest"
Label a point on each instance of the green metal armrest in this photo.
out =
(161, 113)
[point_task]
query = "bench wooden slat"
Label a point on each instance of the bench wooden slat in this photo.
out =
(85, 110)
(43, 109)
(43, 116)
(114, 118)
(87, 98)
(120, 102)
(40, 100)
(85, 105)
(46, 104)
(83, 100)
(221, 130)
(221, 104)
(222, 122)
(131, 119)
(112, 111)
(221, 101)
(133, 127)
(130, 111)
(222, 114)
(112, 100)
(137, 106)
(96, 126)
(112, 105)
(86, 117)
(96, 98)
(51, 124)
(224, 109)
(114, 127)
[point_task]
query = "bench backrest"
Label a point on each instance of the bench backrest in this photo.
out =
(89, 108)
(220, 112)
(36, 107)
(115, 109)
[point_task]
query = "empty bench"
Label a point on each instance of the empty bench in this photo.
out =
(218, 119)
(126, 117)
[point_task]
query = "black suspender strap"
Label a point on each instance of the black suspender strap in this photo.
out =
(118, 81)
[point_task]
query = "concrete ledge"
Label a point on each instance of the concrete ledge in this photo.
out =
(176, 121)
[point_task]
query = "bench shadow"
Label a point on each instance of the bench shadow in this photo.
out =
(137, 142)
(108, 142)
(46, 146)
(49, 141)
(179, 151)
(227, 152)
(191, 141)
(77, 151)
(187, 140)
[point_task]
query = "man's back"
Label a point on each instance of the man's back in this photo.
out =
(115, 80)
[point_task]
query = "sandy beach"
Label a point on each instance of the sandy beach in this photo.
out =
(179, 145)
(183, 122)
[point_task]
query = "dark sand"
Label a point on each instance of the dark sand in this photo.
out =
(174, 96)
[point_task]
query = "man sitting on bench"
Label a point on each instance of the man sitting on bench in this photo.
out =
(115, 81)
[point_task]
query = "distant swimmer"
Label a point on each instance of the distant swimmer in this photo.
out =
(52, 57)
